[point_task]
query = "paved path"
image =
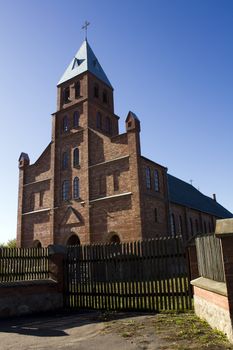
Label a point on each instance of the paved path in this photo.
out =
(73, 332)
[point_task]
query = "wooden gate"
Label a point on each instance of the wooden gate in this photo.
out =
(144, 275)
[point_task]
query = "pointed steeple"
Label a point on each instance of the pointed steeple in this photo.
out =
(84, 60)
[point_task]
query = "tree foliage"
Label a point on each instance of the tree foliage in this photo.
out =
(10, 244)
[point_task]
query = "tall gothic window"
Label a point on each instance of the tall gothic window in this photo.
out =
(180, 227)
(191, 226)
(66, 95)
(116, 181)
(65, 124)
(173, 225)
(197, 226)
(205, 227)
(41, 198)
(108, 125)
(32, 201)
(76, 187)
(148, 179)
(76, 157)
(156, 214)
(76, 119)
(96, 90)
(77, 89)
(65, 190)
(99, 120)
(65, 159)
(156, 180)
(105, 96)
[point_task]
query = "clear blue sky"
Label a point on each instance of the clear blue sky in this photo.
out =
(170, 61)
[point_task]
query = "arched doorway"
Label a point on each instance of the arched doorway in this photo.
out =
(36, 244)
(73, 240)
(115, 239)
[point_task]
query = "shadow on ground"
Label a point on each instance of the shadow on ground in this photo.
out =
(56, 325)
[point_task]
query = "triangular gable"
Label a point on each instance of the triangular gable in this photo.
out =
(71, 217)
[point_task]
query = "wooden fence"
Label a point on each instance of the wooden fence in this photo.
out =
(22, 264)
(144, 275)
(209, 257)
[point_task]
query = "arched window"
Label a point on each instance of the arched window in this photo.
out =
(65, 124)
(76, 187)
(32, 201)
(73, 240)
(156, 180)
(65, 160)
(76, 157)
(96, 90)
(191, 226)
(76, 119)
(102, 185)
(77, 89)
(41, 198)
(65, 190)
(36, 244)
(180, 228)
(173, 225)
(197, 226)
(108, 125)
(105, 96)
(205, 227)
(210, 229)
(148, 179)
(115, 239)
(66, 95)
(99, 120)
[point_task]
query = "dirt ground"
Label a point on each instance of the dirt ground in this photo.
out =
(110, 331)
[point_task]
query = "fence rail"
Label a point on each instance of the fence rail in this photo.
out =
(209, 257)
(23, 264)
(143, 275)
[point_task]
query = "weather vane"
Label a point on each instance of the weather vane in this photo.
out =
(86, 24)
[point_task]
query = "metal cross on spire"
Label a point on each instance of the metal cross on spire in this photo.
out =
(86, 24)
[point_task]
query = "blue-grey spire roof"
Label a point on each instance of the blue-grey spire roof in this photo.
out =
(84, 60)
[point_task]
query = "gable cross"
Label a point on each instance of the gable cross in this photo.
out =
(86, 24)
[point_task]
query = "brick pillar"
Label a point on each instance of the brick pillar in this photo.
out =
(193, 265)
(57, 254)
(224, 230)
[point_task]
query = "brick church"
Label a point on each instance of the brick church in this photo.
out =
(91, 184)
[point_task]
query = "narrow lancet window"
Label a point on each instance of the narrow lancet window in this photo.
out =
(65, 190)
(77, 89)
(99, 120)
(65, 124)
(148, 179)
(76, 119)
(76, 187)
(65, 160)
(156, 180)
(76, 157)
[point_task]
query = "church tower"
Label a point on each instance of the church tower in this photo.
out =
(84, 103)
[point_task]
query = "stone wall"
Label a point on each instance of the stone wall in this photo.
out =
(27, 297)
(33, 296)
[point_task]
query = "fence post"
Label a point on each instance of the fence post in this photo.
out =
(57, 254)
(192, 260)
(224, 230)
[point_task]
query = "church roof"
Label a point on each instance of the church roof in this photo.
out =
(84, 60)
(182, 193)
